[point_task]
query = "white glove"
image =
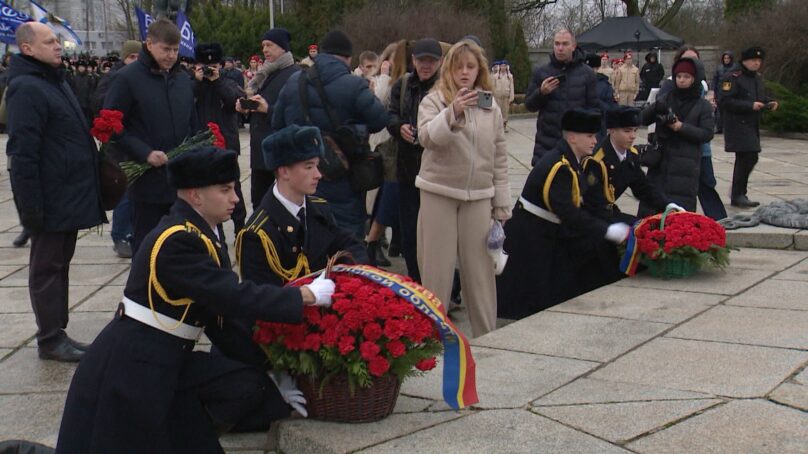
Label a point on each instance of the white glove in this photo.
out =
(673, 206)
(618, 232)
(322, 288)
(289, 392)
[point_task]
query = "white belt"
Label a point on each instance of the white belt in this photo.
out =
(146, 316)
(538, 211)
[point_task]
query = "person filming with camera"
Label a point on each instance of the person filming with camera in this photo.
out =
(684, 121)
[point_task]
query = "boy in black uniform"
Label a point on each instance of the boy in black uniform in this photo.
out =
(141, 387)
(742, 101)
(615, 167)
(551, 240)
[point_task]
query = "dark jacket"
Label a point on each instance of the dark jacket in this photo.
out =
(84, 86)
(261, 123)
(347, 94)
(579, 90)
(54, 160)
(677, 174)
(408, 155)
(722, 70)
(216, 102)
(739, 90)
(159, 113)
(608, 178)
(235, 75)
(126, 393)
(651, 74)
(605, 100)
(97, 102)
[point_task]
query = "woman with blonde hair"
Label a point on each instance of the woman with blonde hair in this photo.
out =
(463, 182)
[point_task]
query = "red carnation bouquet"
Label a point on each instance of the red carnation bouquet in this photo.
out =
(676, 244)
(367, 333)
(212, 136)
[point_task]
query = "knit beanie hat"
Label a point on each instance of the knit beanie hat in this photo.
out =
(336, 43)
(130, 47)
(684, 66)
(279, 36)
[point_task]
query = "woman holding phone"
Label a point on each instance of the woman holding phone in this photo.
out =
(463, 183)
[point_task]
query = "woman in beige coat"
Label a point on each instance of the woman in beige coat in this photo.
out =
(503, 91)
(463, 182)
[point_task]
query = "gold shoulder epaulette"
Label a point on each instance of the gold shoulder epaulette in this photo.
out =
(576, 190)
(634, 150)
(317, 200)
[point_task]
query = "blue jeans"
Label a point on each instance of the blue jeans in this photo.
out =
(122, 220)
(347, 206)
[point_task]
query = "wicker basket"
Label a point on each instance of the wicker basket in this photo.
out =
(671, 268)
(337, 404)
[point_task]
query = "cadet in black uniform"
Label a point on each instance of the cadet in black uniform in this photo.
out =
(743, 98)
(141, 387)
(615, 167)
(551, 240)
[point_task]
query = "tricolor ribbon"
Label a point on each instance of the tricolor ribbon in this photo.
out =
(459, 382)
(631, 258)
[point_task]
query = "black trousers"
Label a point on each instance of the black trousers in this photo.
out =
(708, 197)
(51, 253)
(145, 217)
(260, 182)
(744, 164)
(409, 203)
(240, 212)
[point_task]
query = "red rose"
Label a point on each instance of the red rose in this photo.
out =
(346, 344)
(426, 364)
(218, 138)
(372, 332)
(369, 350)
(396, 348)
(378, 366)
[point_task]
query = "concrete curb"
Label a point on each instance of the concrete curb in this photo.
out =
(768, 237)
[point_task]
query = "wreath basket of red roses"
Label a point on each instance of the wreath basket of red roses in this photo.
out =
(676, 244)
(351, 358)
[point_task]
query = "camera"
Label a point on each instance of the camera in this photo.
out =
(667, 118)
(415, 135)
(248, 104)
(485, 99)
(207, 71)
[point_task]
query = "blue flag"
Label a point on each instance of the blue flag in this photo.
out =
(143, 21)
(187, 39)
(10, 19)
(59, 26)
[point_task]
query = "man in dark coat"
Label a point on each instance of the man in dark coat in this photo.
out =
(403, 111)
(290, 233)
(84, 84)
(216, 98)
(605, 91)
(727, 66)
(615, 167)
(651, 75)
(281, 65)
(54, 178)
(142, 387)
(352, 102)
(742, 101)
(157, 101)
(230, 71)
(551, 241)
(563, 84)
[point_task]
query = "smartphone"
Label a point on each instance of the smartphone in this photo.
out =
(770, 105)
(561, 77)
(248, 104)
(485, 99)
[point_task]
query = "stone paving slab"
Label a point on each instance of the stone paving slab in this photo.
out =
(17, 329)
(14, 256)
(775, 294)
(512, 431)
(762, 236)
(798, 272)
(572, 335)
(505, 387)
(739, 426)
(23, 372)
(620, 422)
(32, 417)
(711, 281)
(791, 394)
(319, 437)
(765, 259)
(802, 377)
(748, 325)
(104, 300)
(665, 306)
(255, 441)
(709, 367)
(593, 391)
(96, 274)
(17, 300)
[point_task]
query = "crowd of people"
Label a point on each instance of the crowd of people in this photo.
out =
(436, 112)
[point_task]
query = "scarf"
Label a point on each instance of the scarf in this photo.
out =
(284, 61)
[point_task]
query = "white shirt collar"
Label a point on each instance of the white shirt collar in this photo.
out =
(290, 206)
(621, 155)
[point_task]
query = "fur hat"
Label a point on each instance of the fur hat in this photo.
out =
(279, 36)
(203, 166)
(292, 144)
(623, 117)
(208, 54)
(581, 120)
(753, 52)
(336, 43)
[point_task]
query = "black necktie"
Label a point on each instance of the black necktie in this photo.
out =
(301, 216)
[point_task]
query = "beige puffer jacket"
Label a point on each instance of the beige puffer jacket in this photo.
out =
(464, 160)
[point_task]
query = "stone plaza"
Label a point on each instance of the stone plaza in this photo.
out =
(711, 363)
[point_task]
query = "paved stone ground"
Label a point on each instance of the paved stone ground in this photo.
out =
(714, 363)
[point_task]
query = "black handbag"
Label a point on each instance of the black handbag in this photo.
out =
(650, 154)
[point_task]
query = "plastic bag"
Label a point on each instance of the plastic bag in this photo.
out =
(496, 239)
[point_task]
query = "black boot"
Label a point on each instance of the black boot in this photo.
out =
(395, 244)
(22, 239)
(376, 255)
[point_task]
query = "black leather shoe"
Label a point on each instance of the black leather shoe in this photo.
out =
(63, 351)
(22, 239)
(79, 345)
(744, 202)
(375, 255)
